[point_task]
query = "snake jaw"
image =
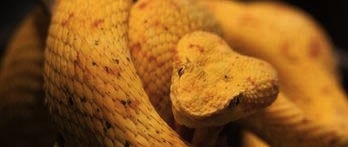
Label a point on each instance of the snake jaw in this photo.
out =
(212, 85)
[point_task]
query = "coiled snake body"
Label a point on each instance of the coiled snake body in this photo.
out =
(92, 87)
(111, 65)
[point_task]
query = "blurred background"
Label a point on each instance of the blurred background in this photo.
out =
(332, 15)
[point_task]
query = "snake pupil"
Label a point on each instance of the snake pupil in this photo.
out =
(181, 71)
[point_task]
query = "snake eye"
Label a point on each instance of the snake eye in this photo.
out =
(181, 71)
(236, 101)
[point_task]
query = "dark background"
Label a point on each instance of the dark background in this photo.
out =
(331, 14)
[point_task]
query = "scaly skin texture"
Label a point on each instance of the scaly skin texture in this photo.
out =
(92, 89)
(302, 54)
(284, 124)
(155, 27)
(23, 118)
(212, 85)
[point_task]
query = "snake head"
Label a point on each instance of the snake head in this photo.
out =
(212, 85)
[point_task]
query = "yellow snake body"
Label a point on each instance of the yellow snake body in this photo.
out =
(108, 68)
(92, 89)
(153, 39)
(311, 107)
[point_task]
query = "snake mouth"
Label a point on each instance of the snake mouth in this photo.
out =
(240, 106)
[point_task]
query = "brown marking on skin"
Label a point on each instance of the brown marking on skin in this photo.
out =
(158, 24)
(142, 5)
(160, 64)
(280, 7)
(201, 75)
(116, 61)
(65, 22)
(116, 71)
(131, 104)
(176, 60)
(152, 59)
(96, 42)
(285, 47)
(247, 19)
(250, 80)
(172, 51)
(134, 104)
(86, 76)
(198, 47)
(77, 65)
(112, 70)
(97, 23)
(165, 28)
(314, 48)
(124, 102)
(326, 89)
(227, 78)
(175, 5)
(107, 69)
(135, 48)
(285, 50)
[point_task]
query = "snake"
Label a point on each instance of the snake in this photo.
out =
(311, 107)
(108, 66)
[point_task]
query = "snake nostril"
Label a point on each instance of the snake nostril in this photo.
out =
(236, 101)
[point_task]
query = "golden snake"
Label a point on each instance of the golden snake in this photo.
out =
(95, 93)
(92, 88)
